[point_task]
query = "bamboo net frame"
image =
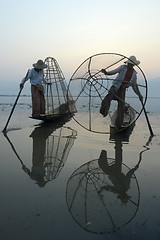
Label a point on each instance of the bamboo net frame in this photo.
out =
(58, 100)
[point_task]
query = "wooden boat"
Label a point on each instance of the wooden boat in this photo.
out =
(128, 120)
(62, 111)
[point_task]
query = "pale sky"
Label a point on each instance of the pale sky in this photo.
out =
(71, 31)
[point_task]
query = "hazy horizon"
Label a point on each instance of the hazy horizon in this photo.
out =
(12, 88)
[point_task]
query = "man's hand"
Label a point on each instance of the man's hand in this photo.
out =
(141, 98)
(21, 85)
(103, 71)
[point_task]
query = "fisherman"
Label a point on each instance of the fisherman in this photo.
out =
(36, 76)
(127, 76)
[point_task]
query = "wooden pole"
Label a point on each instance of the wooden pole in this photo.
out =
(4, 130)
(149, 125)
(147, 119)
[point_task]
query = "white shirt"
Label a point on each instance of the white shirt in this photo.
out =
(36, 78)
(117, 82)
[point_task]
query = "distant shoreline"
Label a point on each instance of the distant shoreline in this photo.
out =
(13, 95)
(25, 95)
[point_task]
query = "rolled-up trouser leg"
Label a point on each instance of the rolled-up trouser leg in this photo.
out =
(120, 108)
(106, 102)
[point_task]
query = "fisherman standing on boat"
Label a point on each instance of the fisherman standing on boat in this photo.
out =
(36, 76)
(126, 77)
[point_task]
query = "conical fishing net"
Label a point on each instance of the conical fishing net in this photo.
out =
(58, 100)
(88, 86)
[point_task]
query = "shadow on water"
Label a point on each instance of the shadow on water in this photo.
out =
(103, 195)
(51, 145)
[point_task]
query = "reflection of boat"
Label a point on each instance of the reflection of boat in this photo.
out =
(123, 135)
(59, 101)
(51, 146)
(128, 120)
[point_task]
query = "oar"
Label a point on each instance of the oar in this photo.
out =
(147, 119)
(149, 125)
(14, 105)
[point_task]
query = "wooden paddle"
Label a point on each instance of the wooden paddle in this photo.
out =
(149, 125)
(147, 119)
(4, 130)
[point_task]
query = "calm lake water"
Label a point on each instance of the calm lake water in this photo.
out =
(61, 181)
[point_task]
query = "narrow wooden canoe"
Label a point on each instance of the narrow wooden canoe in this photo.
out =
(51, 117)
(129, 119)
(59, 112)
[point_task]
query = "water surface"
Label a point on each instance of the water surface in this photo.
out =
(61, 181)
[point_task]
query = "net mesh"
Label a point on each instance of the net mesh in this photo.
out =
(50, 152)
(58, 100)
(58, 146)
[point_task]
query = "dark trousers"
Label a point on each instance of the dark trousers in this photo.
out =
(118, 95)
(38, 100)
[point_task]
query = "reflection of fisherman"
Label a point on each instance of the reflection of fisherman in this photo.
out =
(39, 135)
(121, 182)
(126, 77)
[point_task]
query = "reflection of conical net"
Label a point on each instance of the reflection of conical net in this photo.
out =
(88, 86)
(51, 146)
(93, 206)
(56, 94)
(58, 146)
